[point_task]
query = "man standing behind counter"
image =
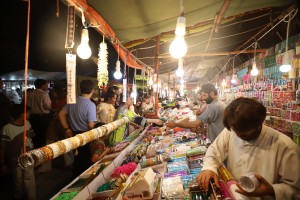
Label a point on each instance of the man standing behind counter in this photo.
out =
(213, 115)
(250, 146)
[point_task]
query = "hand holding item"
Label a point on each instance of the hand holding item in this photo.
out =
(204, 177)
(159, 122)
(108, 150)
(264, 188)
(171, 124)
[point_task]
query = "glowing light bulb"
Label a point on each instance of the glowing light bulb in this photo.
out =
(178, 47)
(118, 73)
(150, 81)
(223, 83)
(179, 71)
(83, 50)
(254, 71)
(233, 80)
(286, 66)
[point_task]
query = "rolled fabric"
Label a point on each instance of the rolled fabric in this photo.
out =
(225, 174)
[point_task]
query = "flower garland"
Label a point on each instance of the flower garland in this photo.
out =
(102, 74)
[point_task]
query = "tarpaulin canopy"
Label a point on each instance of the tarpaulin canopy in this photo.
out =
(32, 75)
(216, 30)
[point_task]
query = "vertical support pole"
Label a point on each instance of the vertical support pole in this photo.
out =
(156, 71)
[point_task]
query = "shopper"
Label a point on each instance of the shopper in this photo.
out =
(78, 118)
(106, 110)
(99, 148)
(123, 131)
(12, 143)
(212, 115)
(147, 104)
(40, 106)
(250, 146)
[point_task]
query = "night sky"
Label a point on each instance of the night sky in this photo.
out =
(47, 39)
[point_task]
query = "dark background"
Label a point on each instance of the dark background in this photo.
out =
(46, 39)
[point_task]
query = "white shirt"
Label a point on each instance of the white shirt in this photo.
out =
(273, 155)
(39, 102)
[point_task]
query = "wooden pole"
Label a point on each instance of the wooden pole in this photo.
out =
(225, 53)
(169, 80)
(157, 73)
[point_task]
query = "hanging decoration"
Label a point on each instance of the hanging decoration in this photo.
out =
(102, 74)
(134, 92)
(71, 78)
(70, 27)
(125, 81)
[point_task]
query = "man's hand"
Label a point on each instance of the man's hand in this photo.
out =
(69, 132)
(204, 177)
(159, 122)
(264, 188)
(171, 124)
(198, 112)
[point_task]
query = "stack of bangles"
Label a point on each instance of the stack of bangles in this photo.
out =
(51, 151)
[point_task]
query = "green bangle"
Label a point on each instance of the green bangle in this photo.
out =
(66, 129)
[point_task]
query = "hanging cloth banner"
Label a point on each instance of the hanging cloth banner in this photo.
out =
(70, 28)
(124, 89)
(71, 78)
(134, 93)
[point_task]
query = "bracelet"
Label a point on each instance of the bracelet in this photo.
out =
(67, 128)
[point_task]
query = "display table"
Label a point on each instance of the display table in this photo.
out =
(105, 174)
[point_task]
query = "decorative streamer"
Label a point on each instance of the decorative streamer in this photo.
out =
(102, 74)
(51, 151)
(70, 28)
(71, 78)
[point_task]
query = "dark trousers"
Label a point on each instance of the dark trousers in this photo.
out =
(40, 123)
(82, 161)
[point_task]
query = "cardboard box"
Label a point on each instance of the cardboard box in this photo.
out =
(142, 187)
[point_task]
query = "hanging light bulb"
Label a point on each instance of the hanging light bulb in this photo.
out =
(254, 71)
(178, 47)
(216, 86)
(179, 71)
(150, 81)
(83, 50)
(286, 66)
(118, 73)
(234, 77)
(181, 81)
(223, 83)
(133, 93)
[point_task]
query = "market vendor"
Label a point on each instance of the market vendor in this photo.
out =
(123, 131)
(212, 115)
(250, 146)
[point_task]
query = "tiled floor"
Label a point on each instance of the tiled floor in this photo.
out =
(47, 183)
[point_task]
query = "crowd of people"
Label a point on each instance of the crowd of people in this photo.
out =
(237, 131)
